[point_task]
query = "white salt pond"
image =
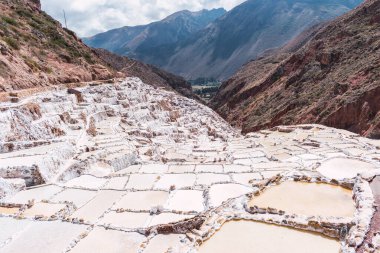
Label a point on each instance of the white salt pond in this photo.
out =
(97, 206)
(186, 201)
(143, 200)
(166, 218)
(101, 240)
(126, 219)
(255, 237)
(44, 237)
(164, 243)
(341, 168)
(44, 209)
(38, 194)
(222, 192)
(307, 199)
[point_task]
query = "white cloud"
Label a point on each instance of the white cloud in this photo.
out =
(88, 17)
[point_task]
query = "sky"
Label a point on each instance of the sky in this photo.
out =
(89, 17)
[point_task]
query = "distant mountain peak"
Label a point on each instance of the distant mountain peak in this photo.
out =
(186, 13)
(140, 41)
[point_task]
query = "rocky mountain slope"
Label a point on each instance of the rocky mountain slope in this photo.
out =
(36, 51)
(333, 79)
(245, 32)
(147, 73)
(140, 42)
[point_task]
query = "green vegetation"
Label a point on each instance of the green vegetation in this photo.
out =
(206, 90)
(31, 63)
(9, 21)
(23, 12)
(88, 58)
(12, 43)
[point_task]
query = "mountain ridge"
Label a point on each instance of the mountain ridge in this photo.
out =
(229, 41)
(332, 79)
(245, 32)
(139, 41)
(36, 51)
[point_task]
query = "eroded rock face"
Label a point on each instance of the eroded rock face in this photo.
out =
(143, 169)
(331, 77)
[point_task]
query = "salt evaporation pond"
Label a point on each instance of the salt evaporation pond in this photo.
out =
(307, 199)
(341, 168)
(255, 237)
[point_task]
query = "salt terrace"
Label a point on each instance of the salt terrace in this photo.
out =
(125, 167)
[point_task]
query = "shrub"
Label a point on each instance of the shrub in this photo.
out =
(12, 43)
(88, 58)
(24, 12)
(31, 64)
(9, 20)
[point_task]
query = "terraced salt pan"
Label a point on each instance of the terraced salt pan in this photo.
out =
(40, 150)
(97, 206)
(126, 220)
(142, 181)
(138, 135)
(255, 237)
(211, 178)
(11, 227)
(9, 210)
(100, 169)
(307, 199)
(16, 161)
(117, 183)
(45, 237)
(142, 200)
(86, 181)
(209, 168)
(186, 200)
(181, 168)
(76, 196)
(270, 174)
(221, 192)
(247, 178)
(341, 168)
(166, 218)
(101, 240)
(178, 180)
(38, 194)
(129, 169)
(44, 209)
(154, 168)
(237, 168)
(164, 243)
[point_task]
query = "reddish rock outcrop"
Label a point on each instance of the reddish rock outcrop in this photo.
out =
(328, 75)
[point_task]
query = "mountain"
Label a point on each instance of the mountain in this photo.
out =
(36, 51)
(147, 73)
(246, 31)
(140, 41)
(329, 76)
